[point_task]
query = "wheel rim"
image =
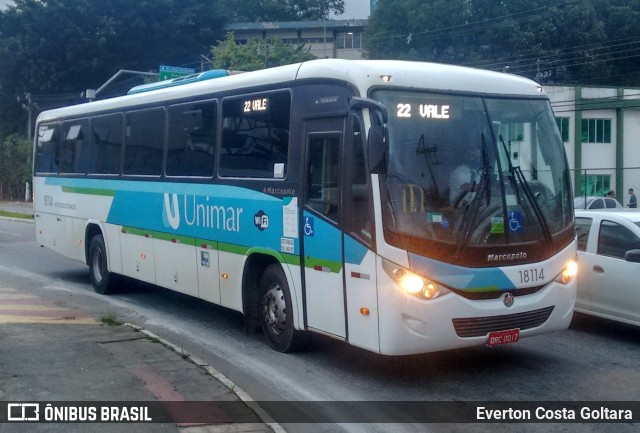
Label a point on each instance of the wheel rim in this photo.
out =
(274, 310)
(98, 263)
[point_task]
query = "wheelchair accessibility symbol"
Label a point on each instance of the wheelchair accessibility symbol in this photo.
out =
(515, 221)
(308, 226)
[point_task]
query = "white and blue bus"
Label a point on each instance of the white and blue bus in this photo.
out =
(325, 197)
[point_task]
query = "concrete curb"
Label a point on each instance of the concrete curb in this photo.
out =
(241, 393)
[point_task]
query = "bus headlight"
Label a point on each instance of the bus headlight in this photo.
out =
(408, 281)
(570, 270)
(412, 283)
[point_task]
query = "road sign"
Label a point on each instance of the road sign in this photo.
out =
(169, 72)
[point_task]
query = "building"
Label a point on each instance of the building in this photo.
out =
(600, 127)
(326, 39)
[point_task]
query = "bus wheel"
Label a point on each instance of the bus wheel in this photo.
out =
(276, 311)
(103, 281)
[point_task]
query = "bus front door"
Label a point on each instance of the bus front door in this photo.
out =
(323, 259)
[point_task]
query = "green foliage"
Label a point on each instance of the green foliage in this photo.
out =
(256, 54)
(552, 42)
(15, 166)
(55, 47)
(282, 10)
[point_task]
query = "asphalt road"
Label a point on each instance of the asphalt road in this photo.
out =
(595, 360)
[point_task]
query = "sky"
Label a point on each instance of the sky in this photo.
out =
(354, 9)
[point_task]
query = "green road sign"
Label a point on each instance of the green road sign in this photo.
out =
(169, 72)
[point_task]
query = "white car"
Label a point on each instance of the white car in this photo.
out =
(595, 202)
(609, 264)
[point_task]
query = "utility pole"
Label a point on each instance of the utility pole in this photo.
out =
(29, 107)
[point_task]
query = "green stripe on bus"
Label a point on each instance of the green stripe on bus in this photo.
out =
(89, 191)
(233, 249)
(241, 250)
(290, 259)
(311, 262)
(185, 240)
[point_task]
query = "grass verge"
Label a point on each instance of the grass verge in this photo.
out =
(110, 320)
(4, 213)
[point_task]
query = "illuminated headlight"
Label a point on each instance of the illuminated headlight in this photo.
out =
(570, 270)
(412, 283)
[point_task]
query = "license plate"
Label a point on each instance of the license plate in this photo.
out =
(503, 337)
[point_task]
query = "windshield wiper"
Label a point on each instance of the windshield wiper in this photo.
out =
(427, 151)
(484, 189)
(517, 176)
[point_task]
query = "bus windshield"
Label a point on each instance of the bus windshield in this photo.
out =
(468, 174)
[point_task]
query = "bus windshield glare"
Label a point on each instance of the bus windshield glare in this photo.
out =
(467, 173)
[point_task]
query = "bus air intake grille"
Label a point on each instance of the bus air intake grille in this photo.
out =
(481, 326)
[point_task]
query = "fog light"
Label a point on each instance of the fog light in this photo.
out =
(413, 284)
(430, 291)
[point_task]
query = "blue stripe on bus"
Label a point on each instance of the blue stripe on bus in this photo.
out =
(471, 279)
(215, 212)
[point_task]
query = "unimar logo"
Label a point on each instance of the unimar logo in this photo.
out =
(198, 211)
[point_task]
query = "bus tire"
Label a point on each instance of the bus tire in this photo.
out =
(276, 312)
(103, 281)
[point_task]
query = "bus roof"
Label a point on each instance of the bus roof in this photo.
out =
(363, 74)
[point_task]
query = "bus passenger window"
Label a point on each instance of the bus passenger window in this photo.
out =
(73, 147)
(144, 142)
(105, 150)
(47, 149)
(323, 184)
(191, 139)
(359, 217)
(255, 136)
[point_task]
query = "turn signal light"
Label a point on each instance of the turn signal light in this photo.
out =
(570, 270)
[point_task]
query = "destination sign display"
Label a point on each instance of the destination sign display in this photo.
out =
(424, 111)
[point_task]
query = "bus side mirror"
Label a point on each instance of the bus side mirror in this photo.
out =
(377, 149)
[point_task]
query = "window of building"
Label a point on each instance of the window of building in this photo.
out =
(563, 127)
(255, 135)
(512, 131)
(596, 130)
(345, 40)
(596, 184)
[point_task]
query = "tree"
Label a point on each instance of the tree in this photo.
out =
(621, 20)
(67, 46)
(15, 166)
(256, 54)
(282, 10)
(542, 39)
(418, 30)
